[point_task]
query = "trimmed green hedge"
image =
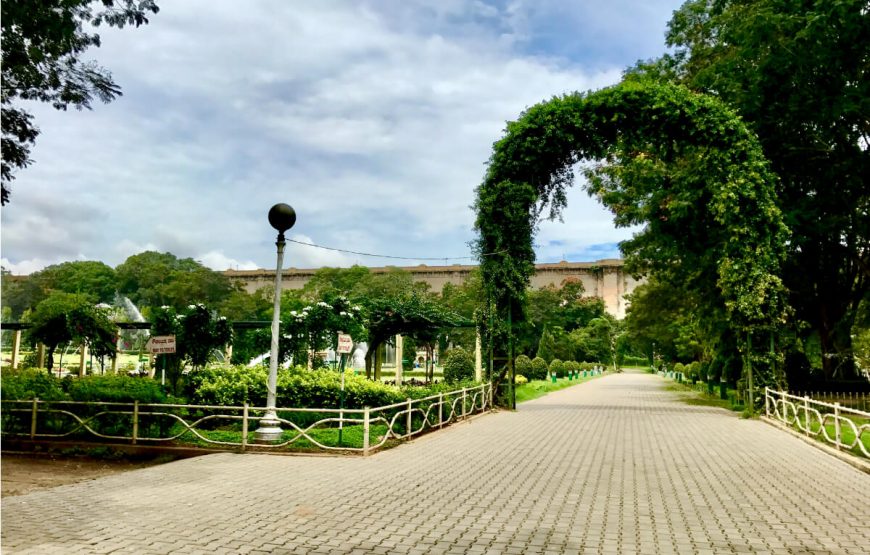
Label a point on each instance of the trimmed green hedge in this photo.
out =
(297, 388)
(540, 370)
(32, 383)
(458, 365)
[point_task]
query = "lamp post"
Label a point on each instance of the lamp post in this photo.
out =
(281, 217)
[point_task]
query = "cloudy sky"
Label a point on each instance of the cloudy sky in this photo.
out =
(374, 120)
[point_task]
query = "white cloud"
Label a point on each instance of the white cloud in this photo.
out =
(217, 260)
(374, 120)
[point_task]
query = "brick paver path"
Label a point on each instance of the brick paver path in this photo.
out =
(616, 465)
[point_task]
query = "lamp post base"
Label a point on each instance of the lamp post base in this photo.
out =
(269, 430)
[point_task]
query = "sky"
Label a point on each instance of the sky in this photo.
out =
(374, 120)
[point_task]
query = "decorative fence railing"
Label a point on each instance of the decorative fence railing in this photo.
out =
(232, 427)
(845, 428)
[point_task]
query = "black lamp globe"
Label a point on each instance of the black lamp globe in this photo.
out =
(282, 217)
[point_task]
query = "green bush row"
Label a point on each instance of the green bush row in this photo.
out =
(33, 383)
(538, 369)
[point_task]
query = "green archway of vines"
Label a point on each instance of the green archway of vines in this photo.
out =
(681, 164)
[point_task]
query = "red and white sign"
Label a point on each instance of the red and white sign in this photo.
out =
(162, 344)
(345, 343)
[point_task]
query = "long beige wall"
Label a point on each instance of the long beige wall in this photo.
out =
(604, 278)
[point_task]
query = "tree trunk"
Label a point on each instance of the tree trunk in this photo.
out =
(368, 359)
(49, 360)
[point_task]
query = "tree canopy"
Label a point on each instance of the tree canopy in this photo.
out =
(43, 45)
(796, 72)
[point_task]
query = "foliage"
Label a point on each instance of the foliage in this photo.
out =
(571, 366)
(156, 279)
(30, 383)
(519, 379)
(540, 369)
(197, 334)
(797, 74)
(546, 346)
(557, 367)
(297, 388)
(679, 163)
(42, 47)
(458, 365)
(523, 365)
(70, 318)
(316, 327)
(414, 314)
(115, 389)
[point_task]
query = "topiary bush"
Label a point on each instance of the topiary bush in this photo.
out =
(523, 365)
(571, 366)
(557, 367)
(519, 379)
(539, 370)
(458, 365)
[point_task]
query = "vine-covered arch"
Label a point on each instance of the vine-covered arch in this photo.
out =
(682, 164)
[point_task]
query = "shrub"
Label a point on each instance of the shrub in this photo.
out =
(114, 388)
(572, 366)
(586, 366)
(693, 370)
(297, 388)
(557, 367)
(539, 370)
(523, 365)
(519, 379)
(458, 365)
(29, 384)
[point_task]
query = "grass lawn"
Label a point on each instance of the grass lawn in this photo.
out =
(539, 388)
(352, 436)
(697, 395)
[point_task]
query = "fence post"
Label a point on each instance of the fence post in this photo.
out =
(135, 421)
(463, 402)
(440, 409)
(408, 419)
(806, 416)
(490, 395)
(33, 417)
(366, 424)
(767, 401)
(244, 426)
(837, 423)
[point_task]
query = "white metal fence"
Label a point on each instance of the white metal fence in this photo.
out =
(231, 427)
(845, 428)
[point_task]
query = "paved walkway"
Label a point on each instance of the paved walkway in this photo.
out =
(615, 465)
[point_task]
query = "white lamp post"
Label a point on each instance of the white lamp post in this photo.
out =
(282, 217)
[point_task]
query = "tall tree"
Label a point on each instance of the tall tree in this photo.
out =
(155, 279)
(43, 44)
(797, 72)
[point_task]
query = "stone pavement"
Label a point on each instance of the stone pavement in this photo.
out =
(615, 465)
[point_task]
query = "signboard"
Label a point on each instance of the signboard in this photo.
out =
(345, 343)
(161, 344)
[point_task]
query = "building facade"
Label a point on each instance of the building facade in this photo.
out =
(605, 279)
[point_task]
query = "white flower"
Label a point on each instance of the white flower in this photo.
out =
(293, 313)
(191, 307)
(164, 307)
(355, 308)
(343, 313)
(323, 304)
(223, 318)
